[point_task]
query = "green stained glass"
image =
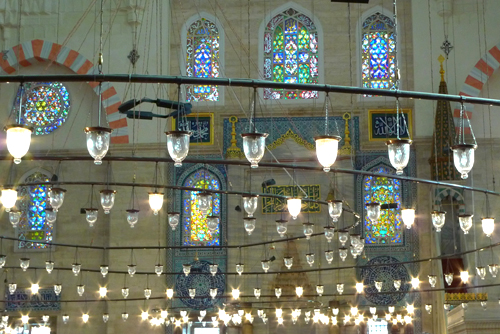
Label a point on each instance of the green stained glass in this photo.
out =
(278, 40)
(303, 39)
(278, 73)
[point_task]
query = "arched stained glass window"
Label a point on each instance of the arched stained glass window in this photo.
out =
(45, 106)
(384, 191)
(32, 203)
(378, 52)
(195, 227)
(202, 59)
(290, 54)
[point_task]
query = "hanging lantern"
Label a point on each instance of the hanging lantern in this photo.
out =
(356, 240)
(192, 293)
(340, 288)
(397, 284)
(281, 227)
(12, 288)
(158, 269)
(447, 306)
(327, 150)
(56, 198)
(75, 268)
(464, 276)
(432, 280)
(493, 268)
(3, 259)
(354, 251)
(294, 206)
(57, 289)
(329, 233)
(105, 317)
(391, 309)
(428, 308)
(65, 318)
(104, 269)
(343, 253)
(310, 259)
(250, 203)
(254, 147)
(103, 291)
(156, 202)
(448, 278)
(49, 266)
(359, 287)
(178, 146)
(212, 223)
(213, 292)
(213, 269)
(488, 225)
(483, 305)
(249, 224)
(186, 269)
(465, 222)
(50, 216)
(265, 265)
(465, 306)
(98, 139)
(34, 288)
(124, 316)
(378, 285)
(335, 209)
(299, 291)
(24, 263)
(256, 293)
(288, 260)
(204, 202)
(125, 292)
(463, 158)
(170, 293)
(277, 292)
(408, 216)
(235, 293)
(91, 216)
(18, 140)
(14, 217)
(415, 282)
(399, 153)
(481, 272)
(239, 268)
(343, 237)
(9, 198)
(438, 219)
(80, 289)
(329, 256)
(107, 199)
(320, 289)
(147, 293)
(173, 219)
(373, 211)
(308, 229)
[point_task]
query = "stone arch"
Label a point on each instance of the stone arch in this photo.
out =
(442, 193)
(31, 52)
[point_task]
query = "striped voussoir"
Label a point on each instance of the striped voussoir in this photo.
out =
(475, 81)
(38, 50)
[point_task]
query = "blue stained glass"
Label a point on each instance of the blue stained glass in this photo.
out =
(202, 61)
(303, 57)
(278, 58)
(290, 26)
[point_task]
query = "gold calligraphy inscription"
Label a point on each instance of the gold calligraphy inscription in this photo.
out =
(272, 205)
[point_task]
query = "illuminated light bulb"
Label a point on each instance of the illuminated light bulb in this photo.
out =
(448, 278)
(359, 287)
(213, 269)
(481, 272)
(132, 217)
(107, 199)
(373, 211)
(186, 269)
(388, 317)
(45, 318)
(335, 209)
(354, 311)
(144, 315)
(254, 145)
(277, 292)
(104, 269)
(235, 293)
(320, 289)
(488, 225)
(399, 153)
(85, 318)
(265, 265)
(493, 268)
(288, 260)
(279, 313)
(65, 318)
(464, 276)
(432, 280)
(415, 282)
(18, 140)
(465, 222)
(250, 203)
(357, 322)
(50, 216)
(192, 293)
(178, 145)
(173, 219)
(428, 308)
(329, 256)
(294, 206)
(147, 293)
(164, 314)
(12, 288)
(239, 268)
(57, 289)
(347, 318)
(178, 323)
(249, 225)
(447, 306)
(391, 309)
(103, 291)
(35, 288)
(465, 306)
(158, 269)
(24, 263)
(256, 292)
(25, 319)
(327, 150)
(399, 318)
(9, 198)
(310, 259)
(75, 268)
(343, 253)
(463, 158)
(334, 321)
(280, 321)
(340, 288)
(299, 291)
(373, 310)
(329, 233)
(105, 317)
(124, 316)
(438, 219)
(343, 237)
(14, 217)
(378, 285)
(49, 266)
(407, 319)
(204, 202)
(281, 227)
(408, 216)
(183, 313)
(80, 289)
(410, 309)
(170, 293)
(98, 139)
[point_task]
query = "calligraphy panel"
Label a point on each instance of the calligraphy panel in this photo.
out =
(201, 126)
(271, 205)
(23, 300)
(383, 124)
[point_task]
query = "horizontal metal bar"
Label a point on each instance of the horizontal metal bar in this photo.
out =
(240, 82)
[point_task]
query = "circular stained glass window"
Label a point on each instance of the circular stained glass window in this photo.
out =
(45, 106)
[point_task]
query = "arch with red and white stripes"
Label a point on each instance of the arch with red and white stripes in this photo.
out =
(30, 52)
(474, 83)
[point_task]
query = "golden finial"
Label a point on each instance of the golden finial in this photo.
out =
(441, 59)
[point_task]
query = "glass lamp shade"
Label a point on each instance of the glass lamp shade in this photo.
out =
(288, 260)
(379, 285)
(131, 269)
(107, 199)
(235, 293)
(173, 219)
(192, 293)
(310, 259)
(65, 318)
(463, 158)
(277, 292)
(399, 153)
(80, 289)
(104, 269)
(329, 233)
(343, 237)
(483, 305)
(397, 284)
(212, 223)
(391, 309)
(204, 202)
(75, 268)
(249, 224)
(186, 269)
(354, 251)
(329, 256)
(103, 291)
(340, 288)
(481, 272)
(359, 287)
(158, 269)
(493, 268)
(428, 308)
(294, 206)
(326, 150)
(465, 222)
(98, 139)
(56, 198)
(125, 292)
(178, 146)
(488, 225)
(14, 217)
(320, 289)
(156, 202)
(91, 216)
(57, 289)
(45, 318)
(373, 310)
(465, 306)
(3, 259)
(415, 282)
(12, 288)
(281, 227)
(464, 276)
(213, 292)
(265, 265)
(85, 317)
(308, 229)
(24, 263)
(49, 266)
(373, 211)
(254, 147)
(124, 316)
(18, 140)
(213, 269)
(105, 317)
(50, 216)
(250, 203)
(335, 209)
(408, 216)
(170, 293)
(448, 278)
(9, 198)
(147, 293)
(343, 253)
(356, 240)
(240, 267)
(432, 280)
(438, 219)
(299, 291)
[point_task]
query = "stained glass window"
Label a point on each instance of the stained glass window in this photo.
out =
(378, 49)
(45, 106)
(32, 203)
(202, 59)
(195, 227)
(290, 54)
(384, 191)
